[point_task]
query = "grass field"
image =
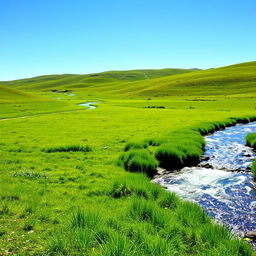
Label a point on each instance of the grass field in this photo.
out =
(63, 190)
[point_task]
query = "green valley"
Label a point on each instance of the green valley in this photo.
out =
(64, 185)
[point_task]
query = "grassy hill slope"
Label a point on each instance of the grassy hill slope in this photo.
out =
(234, 79)
(8, 95)
(103, 79)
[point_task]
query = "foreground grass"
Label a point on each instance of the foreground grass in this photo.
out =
(70, 186)
(63, 187)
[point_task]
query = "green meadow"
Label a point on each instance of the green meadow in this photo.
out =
(76, 181)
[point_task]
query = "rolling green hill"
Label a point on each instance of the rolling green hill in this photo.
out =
(104, 79)
(234, 79)
(84, 202)
(9, 95)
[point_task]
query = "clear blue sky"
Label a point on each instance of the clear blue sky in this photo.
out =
(40, 37)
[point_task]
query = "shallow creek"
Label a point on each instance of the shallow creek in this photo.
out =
(89, 105)
(222, 183)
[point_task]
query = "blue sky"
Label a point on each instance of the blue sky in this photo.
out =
(39, 37)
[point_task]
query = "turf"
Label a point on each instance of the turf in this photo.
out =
(75, 189)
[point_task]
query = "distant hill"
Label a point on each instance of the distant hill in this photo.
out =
(230, 80)
(234, 79)
(68, 81)
(8, 95)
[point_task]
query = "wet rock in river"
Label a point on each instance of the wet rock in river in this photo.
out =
(250, 234)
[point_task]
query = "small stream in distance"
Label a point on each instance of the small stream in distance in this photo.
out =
(89, 105)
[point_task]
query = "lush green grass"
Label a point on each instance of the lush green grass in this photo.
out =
(63, 181)
(251, 140)
(178, 149)
(139, 161)
(152, 230)
(135, 185)
(183, 148)
(254, 169)
(73, 191)
(67, 148)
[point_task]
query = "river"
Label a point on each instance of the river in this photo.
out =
(222, 183)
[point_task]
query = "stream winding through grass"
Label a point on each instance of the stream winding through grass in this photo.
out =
(89, 105)
(222, 183)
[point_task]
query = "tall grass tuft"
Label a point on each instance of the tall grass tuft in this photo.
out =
(170, 157)
(82, 239)
(142, 210)
(191, 214)
(118, 245)
(139, 161)
(67, 148)
(135, 184)
(253, 168)
(182, 148)
(135, 145)
(251, 140)
(169, 201)
(58, 244)
(212, 233)
(82, 219)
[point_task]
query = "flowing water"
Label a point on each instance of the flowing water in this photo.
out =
(222, 183)
(89, 105)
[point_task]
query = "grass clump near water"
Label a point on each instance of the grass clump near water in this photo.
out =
(137, 184)
(139, 160)
(253, 168)
(143, 210)
(209, 127)
(135, 145)
(251, 140)
(170, 157)
(67, 148)
(184, 147)
(181, 149)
